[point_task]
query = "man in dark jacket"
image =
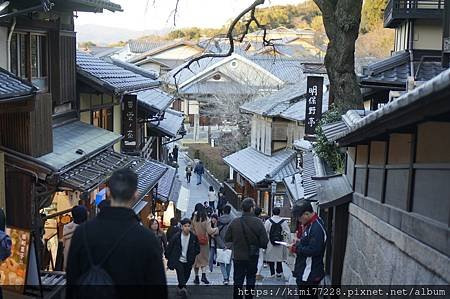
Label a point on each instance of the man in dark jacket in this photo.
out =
(199, 170)
(310, 249)
(248, 235)
(181, 253)
(130, 252)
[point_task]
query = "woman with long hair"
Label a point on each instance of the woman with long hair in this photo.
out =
(159, 233)
(201, 226)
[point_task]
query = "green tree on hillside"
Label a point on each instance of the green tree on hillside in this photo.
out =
(372, 15)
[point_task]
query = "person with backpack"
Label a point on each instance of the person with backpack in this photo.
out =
(248, 235)
(277, 230)
(188, 172)
(181, 252)
(115, 251)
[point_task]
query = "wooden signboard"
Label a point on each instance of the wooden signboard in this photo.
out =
(14, 270)
(313, 111)
(129, 123)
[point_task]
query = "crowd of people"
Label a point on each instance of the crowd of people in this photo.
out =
(130, 254)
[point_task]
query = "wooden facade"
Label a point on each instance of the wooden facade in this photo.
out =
(28, 132)
(63, 66)
(404, 180)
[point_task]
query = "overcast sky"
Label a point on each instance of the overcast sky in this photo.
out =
(137, 15)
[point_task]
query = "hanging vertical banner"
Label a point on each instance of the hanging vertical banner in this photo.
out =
(129, 123)
(314, 97)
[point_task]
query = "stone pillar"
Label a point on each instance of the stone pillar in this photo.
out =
(196, 127)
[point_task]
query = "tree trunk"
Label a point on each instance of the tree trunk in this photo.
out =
(341, 19)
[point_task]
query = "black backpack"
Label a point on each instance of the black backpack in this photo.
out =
(96, 283)
(275, 233)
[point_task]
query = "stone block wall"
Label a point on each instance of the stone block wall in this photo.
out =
(378, 253)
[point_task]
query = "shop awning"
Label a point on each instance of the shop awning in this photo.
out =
(139, 206)
(92, 173)
(149, 173)
(76, 142)
(170, 125)
(166, 183)
(95, 171)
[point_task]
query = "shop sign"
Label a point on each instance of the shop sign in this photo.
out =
(14, 270)
(278, 201)
(314, 97)
(129, 123)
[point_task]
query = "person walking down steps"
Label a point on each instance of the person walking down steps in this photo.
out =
(188, 172)
(201, 226)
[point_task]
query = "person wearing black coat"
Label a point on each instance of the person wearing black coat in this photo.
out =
(181, 252)
(173, 229)
(130, 251)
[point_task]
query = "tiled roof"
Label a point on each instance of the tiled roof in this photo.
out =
(12, 86)
(228, 88)
(166, 182)
(257, 167)
(421, 96)
(289, 102)
(309, 171)
(135, 69)
(338, 128)
(149, 173)
(154, 99)
(141, 46)
(289, 70)
(394, 71)
(112, 77)
(294, 185)
(94, 171)
(171, 123)
(334, 190)
(100, 4)
(76, 137)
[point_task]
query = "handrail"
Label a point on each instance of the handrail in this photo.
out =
(412, 8)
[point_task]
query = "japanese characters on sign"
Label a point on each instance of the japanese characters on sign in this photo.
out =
(13, 271)
(314, 97)
(129, 123)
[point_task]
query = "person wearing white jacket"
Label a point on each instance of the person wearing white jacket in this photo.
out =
(212, 198)
(278, 230)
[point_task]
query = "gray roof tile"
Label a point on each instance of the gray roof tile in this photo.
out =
(396, 69)
(438, 84)
(289, 102)
(154, 99)
(112, 77)
(12, 86)
(149, 173)
(257, 167)
(165, 183)
(73, 136)
(171, 123)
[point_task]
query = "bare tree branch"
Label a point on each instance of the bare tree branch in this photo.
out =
(229, 35)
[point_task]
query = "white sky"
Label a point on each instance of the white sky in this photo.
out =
(200, 13)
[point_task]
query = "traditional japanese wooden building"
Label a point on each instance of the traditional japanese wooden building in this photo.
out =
(398, 166)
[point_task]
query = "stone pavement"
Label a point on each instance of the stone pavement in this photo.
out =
(199, 194)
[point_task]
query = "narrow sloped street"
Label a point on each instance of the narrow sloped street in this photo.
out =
(199, 194)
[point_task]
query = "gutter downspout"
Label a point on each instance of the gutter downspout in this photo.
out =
(8, 51)
(410, 46)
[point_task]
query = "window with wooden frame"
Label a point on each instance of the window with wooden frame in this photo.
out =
(29, 57)
(103, 118)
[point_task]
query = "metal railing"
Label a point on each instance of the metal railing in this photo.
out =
(398, 9)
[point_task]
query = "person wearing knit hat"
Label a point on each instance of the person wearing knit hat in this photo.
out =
(79, 215)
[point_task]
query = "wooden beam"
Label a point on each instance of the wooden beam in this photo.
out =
(366, 183)
(2, 181)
